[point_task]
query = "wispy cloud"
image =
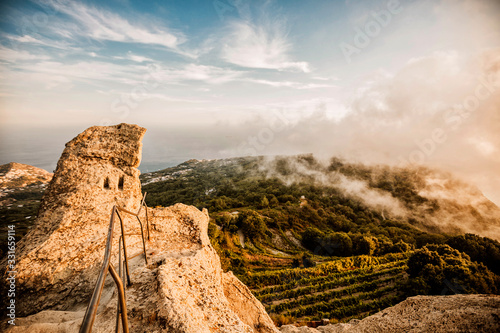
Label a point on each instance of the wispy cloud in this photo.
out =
(289, 84)
(15, 55)
(50, 73)
(102, 25)
(148, 96)
(209, 74)
(266, 47)
(133, 57)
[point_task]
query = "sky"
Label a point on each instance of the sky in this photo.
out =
(394, 82)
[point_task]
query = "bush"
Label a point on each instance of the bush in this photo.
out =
(440, 269)
(480, 249)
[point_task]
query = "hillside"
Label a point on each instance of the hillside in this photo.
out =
(430, 200)
(21, 189)
(278, 222)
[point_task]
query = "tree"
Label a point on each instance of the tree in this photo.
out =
(340, 244)
(274, 202)
(401, 247)
(480, 249)
(440, 269)
(252, 224)
(264, 203)
(307, 261)
(366, 245)
(312, 237)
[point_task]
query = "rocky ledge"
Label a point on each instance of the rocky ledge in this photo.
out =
(457, 313)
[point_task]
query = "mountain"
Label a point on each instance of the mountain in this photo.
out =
(17, 175)
(430, 200)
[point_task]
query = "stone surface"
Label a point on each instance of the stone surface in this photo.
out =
(59, 258)
(182, 289)
(245, 305)
(457, 313)
(19, 175)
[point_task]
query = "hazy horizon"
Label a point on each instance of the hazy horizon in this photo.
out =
(390, 82)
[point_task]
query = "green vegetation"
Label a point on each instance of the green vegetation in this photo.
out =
(441, 269)
(338, 289)
(19, 207)
(312, 252)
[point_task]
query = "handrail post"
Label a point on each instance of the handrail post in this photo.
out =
(117, 324)
(147, 218)
(90, 313)
(121, 297)
(143, 242)
(88, 319)
(124, 249)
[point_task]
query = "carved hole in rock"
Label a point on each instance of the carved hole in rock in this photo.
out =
(106, 183)
(120, 183)
(119, 126)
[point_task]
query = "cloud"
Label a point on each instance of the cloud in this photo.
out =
(102, 25)
(354, 188)
(289, 84)
(15, 55)
(210, 74)
(50, 73)
(132, 57)
(441, 111)
(264, 47)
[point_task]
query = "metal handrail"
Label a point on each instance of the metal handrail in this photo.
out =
(90, 313)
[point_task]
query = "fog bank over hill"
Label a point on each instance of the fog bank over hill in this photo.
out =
(440, 111)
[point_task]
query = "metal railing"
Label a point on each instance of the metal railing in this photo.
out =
(90, 314)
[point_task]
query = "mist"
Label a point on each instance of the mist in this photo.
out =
(441, 111)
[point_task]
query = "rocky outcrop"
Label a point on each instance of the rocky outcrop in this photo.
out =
(58, 260)
(457, 313)
(17, 174)
(245, 305)
(182, 289)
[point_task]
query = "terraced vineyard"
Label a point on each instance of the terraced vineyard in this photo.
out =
(339, 290)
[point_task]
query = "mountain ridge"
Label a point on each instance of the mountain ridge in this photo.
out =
(432, 200)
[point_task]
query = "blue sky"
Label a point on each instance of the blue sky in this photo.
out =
(371, 80)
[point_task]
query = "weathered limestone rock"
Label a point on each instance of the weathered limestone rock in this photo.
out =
(182, 289)
(245, 305)
(457, 313)
(58, 260)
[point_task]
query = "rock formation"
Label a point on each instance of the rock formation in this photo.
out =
(13, 175)
(183, 289)
(457, 313)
